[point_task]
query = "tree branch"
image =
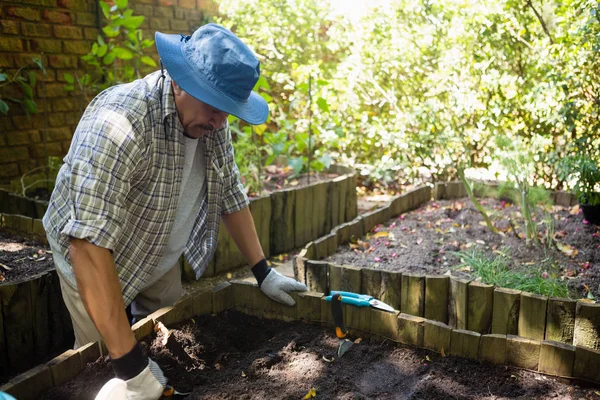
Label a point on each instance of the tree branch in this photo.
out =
(539, 17)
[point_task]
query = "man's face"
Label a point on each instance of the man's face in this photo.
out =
(197, 118)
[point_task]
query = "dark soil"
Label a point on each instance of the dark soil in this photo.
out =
(282, 178)
(421, 241)
(234, 356)
(21, 258)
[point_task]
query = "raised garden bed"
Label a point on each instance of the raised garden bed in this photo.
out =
(235, 353)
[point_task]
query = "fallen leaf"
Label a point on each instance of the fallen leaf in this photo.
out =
(5, 267)
(574, 210)
(329, 360)
(480, 241)
(357, 341)
(353, 246)
(381, 234)
(40, 259)
(443, 353)
(482, 223)
(2, 278)
(427, 358)
(567, 250)
(419, 240)
(243, 374)
(311, 393)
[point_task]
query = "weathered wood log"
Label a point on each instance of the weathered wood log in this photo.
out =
(413, 294)
(299, 267)
(261, 213)
(202, 303)
(30, 385)
(465, 344)
(522, 352)
(532, 316)
(309, 306)
(457, 303)
(370, 282)
(357, 320)
(438, 191)
(282, 220)
(587, 325)
(384, 324)
(492, 349)
(344, 277)
(59, 317)
(227, 255)
(587, 364)
(480, 306)
(303, 223)
(351, 199)
(319, 209)
(222, 297)
(557, 358)
(505, 317)
(65, 367)
(560, 323)
(17, 310)
(436, 298)
(316, 276)
(391, 288)
(436, 336)
(410, 329)
(333, 204)
(342, 189)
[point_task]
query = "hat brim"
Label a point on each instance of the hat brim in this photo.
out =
(254, 111)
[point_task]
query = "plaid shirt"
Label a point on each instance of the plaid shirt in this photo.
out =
(120, 182)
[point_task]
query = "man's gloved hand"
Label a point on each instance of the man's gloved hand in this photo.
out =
(145, 380)
(275, 285)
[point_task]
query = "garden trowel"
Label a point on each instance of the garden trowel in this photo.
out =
(340, 328)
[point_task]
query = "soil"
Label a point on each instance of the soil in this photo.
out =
(422, 241)
(235, 356)
(278, 178)
(21, 258)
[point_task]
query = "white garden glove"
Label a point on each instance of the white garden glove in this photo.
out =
(148, 384)
(145, 380)
(275, 285)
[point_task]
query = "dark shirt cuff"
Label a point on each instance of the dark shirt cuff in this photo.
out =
(131, 364)
(260, 271)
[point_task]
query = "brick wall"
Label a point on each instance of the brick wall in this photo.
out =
(64, 30)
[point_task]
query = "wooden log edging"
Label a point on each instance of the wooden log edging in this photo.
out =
(548, 357)
(27, 227)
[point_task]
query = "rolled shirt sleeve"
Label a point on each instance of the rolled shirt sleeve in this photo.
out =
(101, 169)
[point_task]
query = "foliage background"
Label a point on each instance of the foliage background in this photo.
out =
(411, 91)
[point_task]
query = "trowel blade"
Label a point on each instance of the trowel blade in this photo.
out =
(344, 347)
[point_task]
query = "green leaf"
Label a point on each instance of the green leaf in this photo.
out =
(147, 43)
(111, 31)
(3, 107)
(38, 61)
(322, 103)
(122, 53)
(109, 58)
(69, 88)
(30, 106)
(32, 78)
(102, 50)
(132, 23)
(148, 61)
(266, 97)
(297, 164)
(2, 77)
(326, 160)
(27, 90)
(105, 9)
(122, 4)
(100, 40)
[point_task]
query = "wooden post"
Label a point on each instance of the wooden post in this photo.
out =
(370, 220)
(319, 209)
(465, 344)
(141, 329)
(560, 322)
(202, 303)
(357, 320)
(222, 297)
(90, 352)
(65, 367)
(457, 304)
(391, 288)
(413, 294)
(436, 298)
(316, 276)
(299, 266)
(481, 304)
(282, 221)
(351, 200)
(587, 364)
(438, 191)
(261, 213)
(384, 324)
(505, 317)
(309, 306)
(557, 358)
(344, 277)
(30, 385)
(227, 255)
(357, 228)
(343, 233)
(522, 352)
(370, 282)
(410, 329)
(333, 204)
(493, 349)
(436, 336)
(587, 325)
(303, 216)
(17, 310)
(342, 188)
(532, 316)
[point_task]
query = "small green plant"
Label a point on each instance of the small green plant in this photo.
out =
(478, 206)
(495, 271)
(23, 79)
(585, 170)
(117, 56)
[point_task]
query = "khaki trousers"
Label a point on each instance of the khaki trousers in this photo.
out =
(165, 292)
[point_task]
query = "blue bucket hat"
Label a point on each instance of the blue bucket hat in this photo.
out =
(216, 67)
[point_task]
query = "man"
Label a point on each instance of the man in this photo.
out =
(149, 174)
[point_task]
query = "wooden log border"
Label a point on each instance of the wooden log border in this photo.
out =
(546, 357)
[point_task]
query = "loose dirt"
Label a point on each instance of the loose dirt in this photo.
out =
(423, 240)
(21, 258)
(235, 356)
